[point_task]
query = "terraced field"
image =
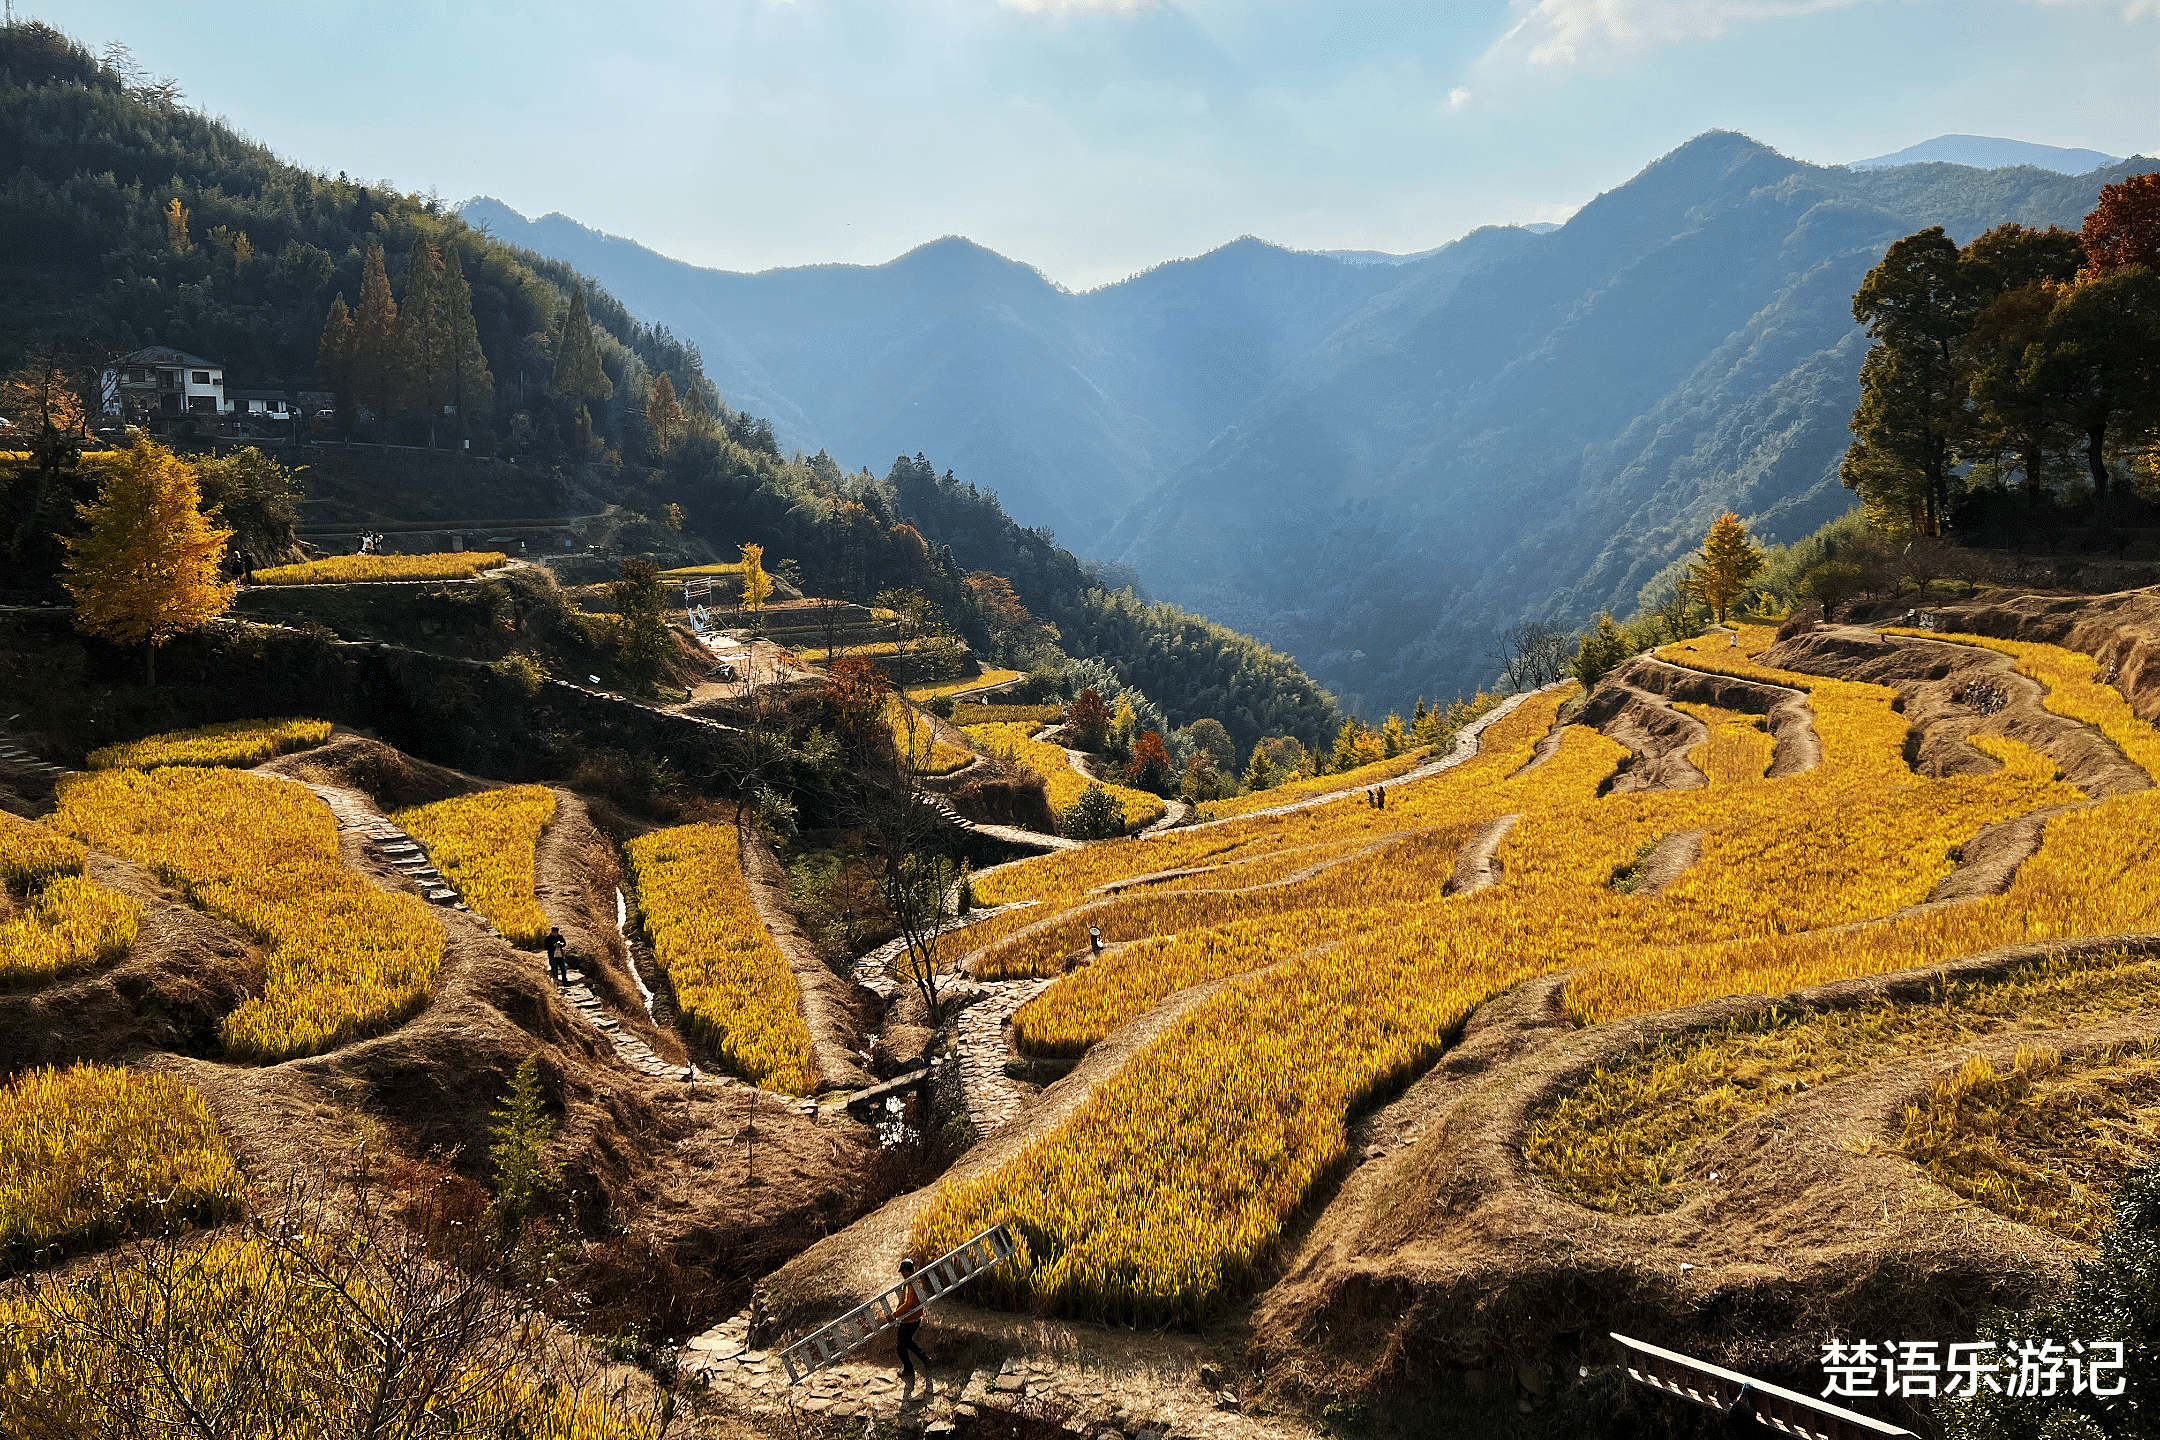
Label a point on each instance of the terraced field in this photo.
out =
(1359, 940)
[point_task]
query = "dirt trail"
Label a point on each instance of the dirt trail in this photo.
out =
(1668, 860)
(1791, 722)
(830, 1006)
(1477, 864)
(840, 1270)
(1658, 736)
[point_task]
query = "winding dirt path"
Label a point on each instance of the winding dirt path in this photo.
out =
(1477, 864)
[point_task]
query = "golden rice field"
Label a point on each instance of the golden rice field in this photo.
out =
(732, 982)
(368, 569)
(1740, 747)
(73, 924)
(1065, 784)
(234, 742)
(916, 738)
(984, 681)
(1361, 779)
(90, 1154)
(69, 922)
(1136, 1209)
(250, 1335)
(31, 854)
(484, 845)
(344, 959)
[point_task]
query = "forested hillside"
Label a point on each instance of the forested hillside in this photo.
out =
(128, 220)
(1550, 435)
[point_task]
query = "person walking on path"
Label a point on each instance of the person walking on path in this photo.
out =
(910, 1318)
(558, 961)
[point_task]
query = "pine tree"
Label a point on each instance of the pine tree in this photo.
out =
(144, 570)
(641, 603)
(472, 384)
(1729, 560)
(422, 339)
(1603, 648)
(578, 376)
(663, 411)
(334, 359)
(522, 1131)
(375, 365)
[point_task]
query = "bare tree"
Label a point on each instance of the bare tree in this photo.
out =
(908, 831)
(329, 1319)
(1530, 653)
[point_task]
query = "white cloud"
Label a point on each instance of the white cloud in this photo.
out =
(1079, 7)
(1563, 32)
(1568, 32)
(1458, 97)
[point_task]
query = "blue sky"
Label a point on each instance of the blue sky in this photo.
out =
(1093, 138)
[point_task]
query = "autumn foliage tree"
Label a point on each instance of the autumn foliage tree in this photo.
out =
(855, 693)
(757, 586)
(2124, 227)
(1087, 720)
(145, 568)
(664, 412)
(1150, 767)
(1729, 559)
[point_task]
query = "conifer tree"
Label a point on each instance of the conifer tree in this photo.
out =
(1603, 648)
(375, 362)
(145, 568)
(1728, 561)
(422, 339)
(1259, 771)
(578, 376)
(522, 1131)
(471, 383)
(334, 359)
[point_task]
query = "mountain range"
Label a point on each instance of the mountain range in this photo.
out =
(1989, 152)
(1374, 466)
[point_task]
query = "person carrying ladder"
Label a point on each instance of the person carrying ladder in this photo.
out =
(910, 1318)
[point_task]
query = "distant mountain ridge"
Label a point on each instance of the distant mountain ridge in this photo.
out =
(1373, 466)
(1988, 152)
(1071, 406)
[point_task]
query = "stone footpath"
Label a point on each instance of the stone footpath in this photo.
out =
(1089, 1401)
(14, 757)
(993, 1099)
(407, 856)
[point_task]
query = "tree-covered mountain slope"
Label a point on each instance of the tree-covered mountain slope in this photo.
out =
(128, 220)
(1547, 435)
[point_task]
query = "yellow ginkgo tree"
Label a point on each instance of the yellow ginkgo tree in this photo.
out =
(145, 568)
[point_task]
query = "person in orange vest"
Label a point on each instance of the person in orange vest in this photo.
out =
(910, 1318)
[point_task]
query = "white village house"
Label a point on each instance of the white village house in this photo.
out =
(163, 390)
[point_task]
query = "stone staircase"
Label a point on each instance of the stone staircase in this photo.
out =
(409, 858)
(15, 758)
